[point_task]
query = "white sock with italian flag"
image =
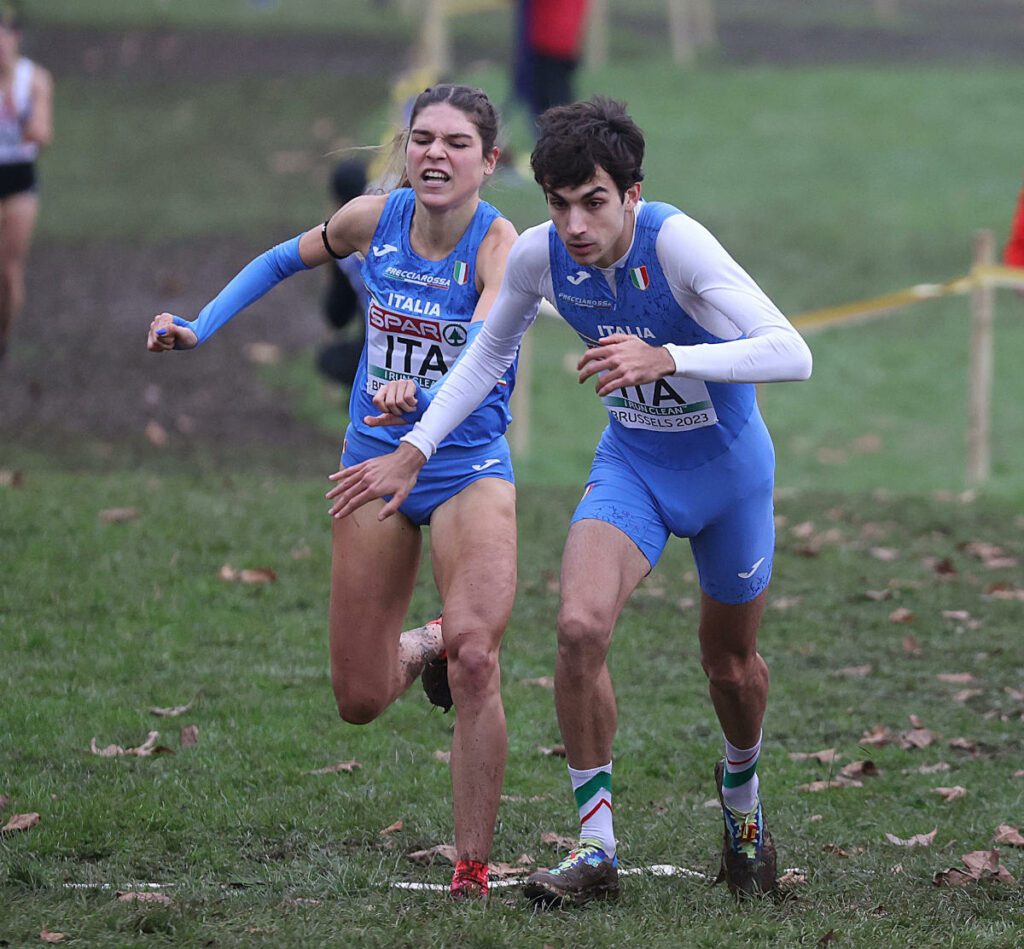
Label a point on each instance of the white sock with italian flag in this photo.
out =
(739, 784)
(593, 791)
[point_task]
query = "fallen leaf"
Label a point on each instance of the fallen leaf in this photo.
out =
(133, 896)
(911, 647)
(391, 828)
(965, 695)
(11, 479)
(255, 575)
(302, 901)
(944, 567)
(860, 769)
(917, 738)
(879, 595)
(118, 515)
(4, 801)
(885, 554)
(1000, 591)
(1016, 694)
(1019, 773)
(825, 756)
(557, 751)
(47, 936)
(877, 736)
(148, 748)
(981, 866)
(173, 711)
(836, 849)
(302, 553)
(837, 782)
(991, 555)
(20, 822)
(916, 720)
(522, 866)
(963, 744)
(1011, 836)
(814, 818)
(955, 678)
(262, 354)
(901, 615)
(559, 841)
(544, 682)
(791, 879)
(347, 766)
(855, 672)
(867, 444)
(444, 851)
(929, 768)
(827, 939)
(951, 794)
(918, 840)
(445, 756)
(189, 736)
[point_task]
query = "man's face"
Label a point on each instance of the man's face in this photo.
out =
(593, 221)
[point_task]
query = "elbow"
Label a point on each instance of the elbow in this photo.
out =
(805, 366)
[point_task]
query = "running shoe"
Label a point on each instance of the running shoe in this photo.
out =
(588, 873)
(469, 882)
(748, 851)
(435, 678)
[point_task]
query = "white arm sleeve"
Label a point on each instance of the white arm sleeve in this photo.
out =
(492, 352)
(722, 298)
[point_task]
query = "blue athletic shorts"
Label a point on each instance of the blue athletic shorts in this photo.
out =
(451, 469)
(724, 507)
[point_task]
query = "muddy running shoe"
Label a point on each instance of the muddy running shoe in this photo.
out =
(435, 678)
(748, 851)
(588, 873)
(469, 882)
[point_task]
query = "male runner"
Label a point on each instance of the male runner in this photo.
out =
(679, 334)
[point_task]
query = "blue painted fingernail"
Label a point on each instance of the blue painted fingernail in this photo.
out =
(161, 332)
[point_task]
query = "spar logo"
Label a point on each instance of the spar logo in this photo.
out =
(389, 322)
(420, 279)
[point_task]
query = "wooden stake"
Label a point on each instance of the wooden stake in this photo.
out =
(979, 380)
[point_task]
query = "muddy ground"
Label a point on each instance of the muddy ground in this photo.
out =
(77, 382)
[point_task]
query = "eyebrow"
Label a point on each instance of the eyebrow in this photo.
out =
(593, 192)
(423, 131)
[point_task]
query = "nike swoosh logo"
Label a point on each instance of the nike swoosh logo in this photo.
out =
(578, 278)
(386, 249)
(751, 571)
(487, 464)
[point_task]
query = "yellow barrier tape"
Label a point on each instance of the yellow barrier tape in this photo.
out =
(992, 276)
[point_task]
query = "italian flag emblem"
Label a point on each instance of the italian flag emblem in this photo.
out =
(461, 272)
(638, 275)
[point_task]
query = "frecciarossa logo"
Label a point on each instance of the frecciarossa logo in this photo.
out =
(420, 279)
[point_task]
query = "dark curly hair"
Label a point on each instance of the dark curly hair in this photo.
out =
(575, 140)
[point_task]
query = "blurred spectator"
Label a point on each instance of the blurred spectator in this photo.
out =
(1013, 253)
(345, 300)
(548, 38)
(26, 125)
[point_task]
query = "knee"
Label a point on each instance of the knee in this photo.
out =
(732, 672)
(355, 706)
(583, 636)
(472, 672)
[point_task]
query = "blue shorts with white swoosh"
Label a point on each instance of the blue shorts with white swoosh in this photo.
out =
(452, 468)
(723, 506)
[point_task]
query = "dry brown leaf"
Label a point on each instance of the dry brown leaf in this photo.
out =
(1016, 694)
(951, 794)
(1009, 835)
(991, 555)
(302, 901)
(855, 672)
(20, 822)
(965, 695)
(860, 769)
(391, 828)
(1019, 773)
(836, 782)
(47, 936)
(148, 748)
(918, 840)
(11, 479)
(544, 682)
(172, 711)
(557, 751)
(1000, 591)
(916, 738)
(885, 554)
(189, 736)
(803, 530)
(347, 766)
(836, 849)
(963, 744)
(825, 756)
(959, 616)
(442, 851)
(118, 515)
(929, 768)
(981, 866)
(955, 678)
(445, 756)
(503, 871)
(248, 575)
(262, 354)
(911, 647)
(944, 567)
(953, 877)
(877, 736)
(915, 720)
(302, 553)
(879, 595)
(135, 896)
(867, 444)
(791, 879)
(4, 801)
(559, 841)
(901, 615)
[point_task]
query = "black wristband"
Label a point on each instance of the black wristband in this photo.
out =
(330, 250)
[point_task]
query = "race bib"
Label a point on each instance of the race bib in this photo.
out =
(673, 404)
(402, 346)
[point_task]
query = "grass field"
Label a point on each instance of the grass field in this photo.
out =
(242, 832)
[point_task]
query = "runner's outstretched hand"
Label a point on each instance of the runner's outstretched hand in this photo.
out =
(165, 334)
(395, 398)
(624, 360)
(386, 476)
